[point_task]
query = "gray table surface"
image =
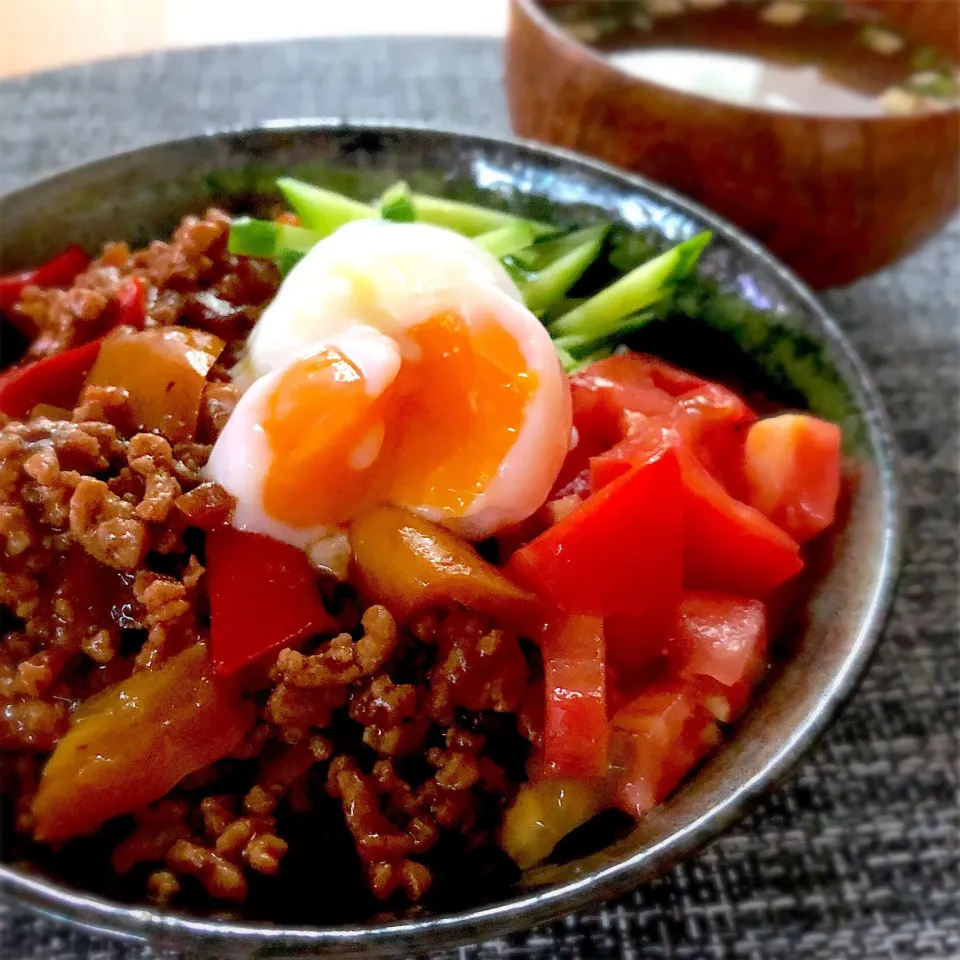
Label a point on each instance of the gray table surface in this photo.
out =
(858, 857)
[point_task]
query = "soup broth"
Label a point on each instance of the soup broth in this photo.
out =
(809, 57)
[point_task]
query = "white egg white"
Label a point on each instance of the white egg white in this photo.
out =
(386, 275)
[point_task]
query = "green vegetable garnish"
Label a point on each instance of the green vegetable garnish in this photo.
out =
(467, 218)
(507, 241)
(548, 250)
(578, 342)
(397, 204)
(932, 83)
(322, 210)
(250, 237)
(572, 364)
(567, 360)
(573, 254)
(602, 315)
(286, 260)
(544, 266)
(928, 58)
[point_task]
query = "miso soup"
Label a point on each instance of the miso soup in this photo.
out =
(801, 56)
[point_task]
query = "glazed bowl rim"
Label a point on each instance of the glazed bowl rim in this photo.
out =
(236, 938)
(550, 27)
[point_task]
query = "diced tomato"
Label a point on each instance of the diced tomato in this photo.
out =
(575, 716)
(576, 464)
(609, 392)
(723, 639)
(618, 552)
(655, 740)
(55, 380)
(603, 411)
(616, 398)
(725, 704)
(792, 468)
(263, 595)
(713, 421)
(639, 370)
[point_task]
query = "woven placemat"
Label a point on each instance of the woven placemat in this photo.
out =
(858, 857)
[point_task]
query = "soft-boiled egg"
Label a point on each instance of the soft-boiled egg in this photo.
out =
(388, 275)
(397, 364)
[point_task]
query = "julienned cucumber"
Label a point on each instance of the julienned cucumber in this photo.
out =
(572, 364)
(547, 285)
(397, 204)
(508, 240)
(468, 218)
(544, 265)
(601, 315)
(250, 237)
(322, 210)
(577, 343)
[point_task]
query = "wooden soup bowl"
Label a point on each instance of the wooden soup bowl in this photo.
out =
(835, 197)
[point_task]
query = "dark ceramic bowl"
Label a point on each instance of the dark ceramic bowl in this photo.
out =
(755, 316)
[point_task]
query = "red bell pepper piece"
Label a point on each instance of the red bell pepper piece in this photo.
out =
(728, 545)
(575, 715)
(130, 305)
(637, 643)
(55, 380)
(792, 468)
(620, 551)
(263, 595)
(58, 272)
(655, 740)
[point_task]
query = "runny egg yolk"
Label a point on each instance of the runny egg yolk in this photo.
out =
(432, 439)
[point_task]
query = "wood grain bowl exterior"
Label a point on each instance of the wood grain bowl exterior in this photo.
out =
(836, 198)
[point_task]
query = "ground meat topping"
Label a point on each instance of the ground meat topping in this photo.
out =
(361, 746)
(106, 527)
(393, 715)
(341, 661)
(478, 668)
